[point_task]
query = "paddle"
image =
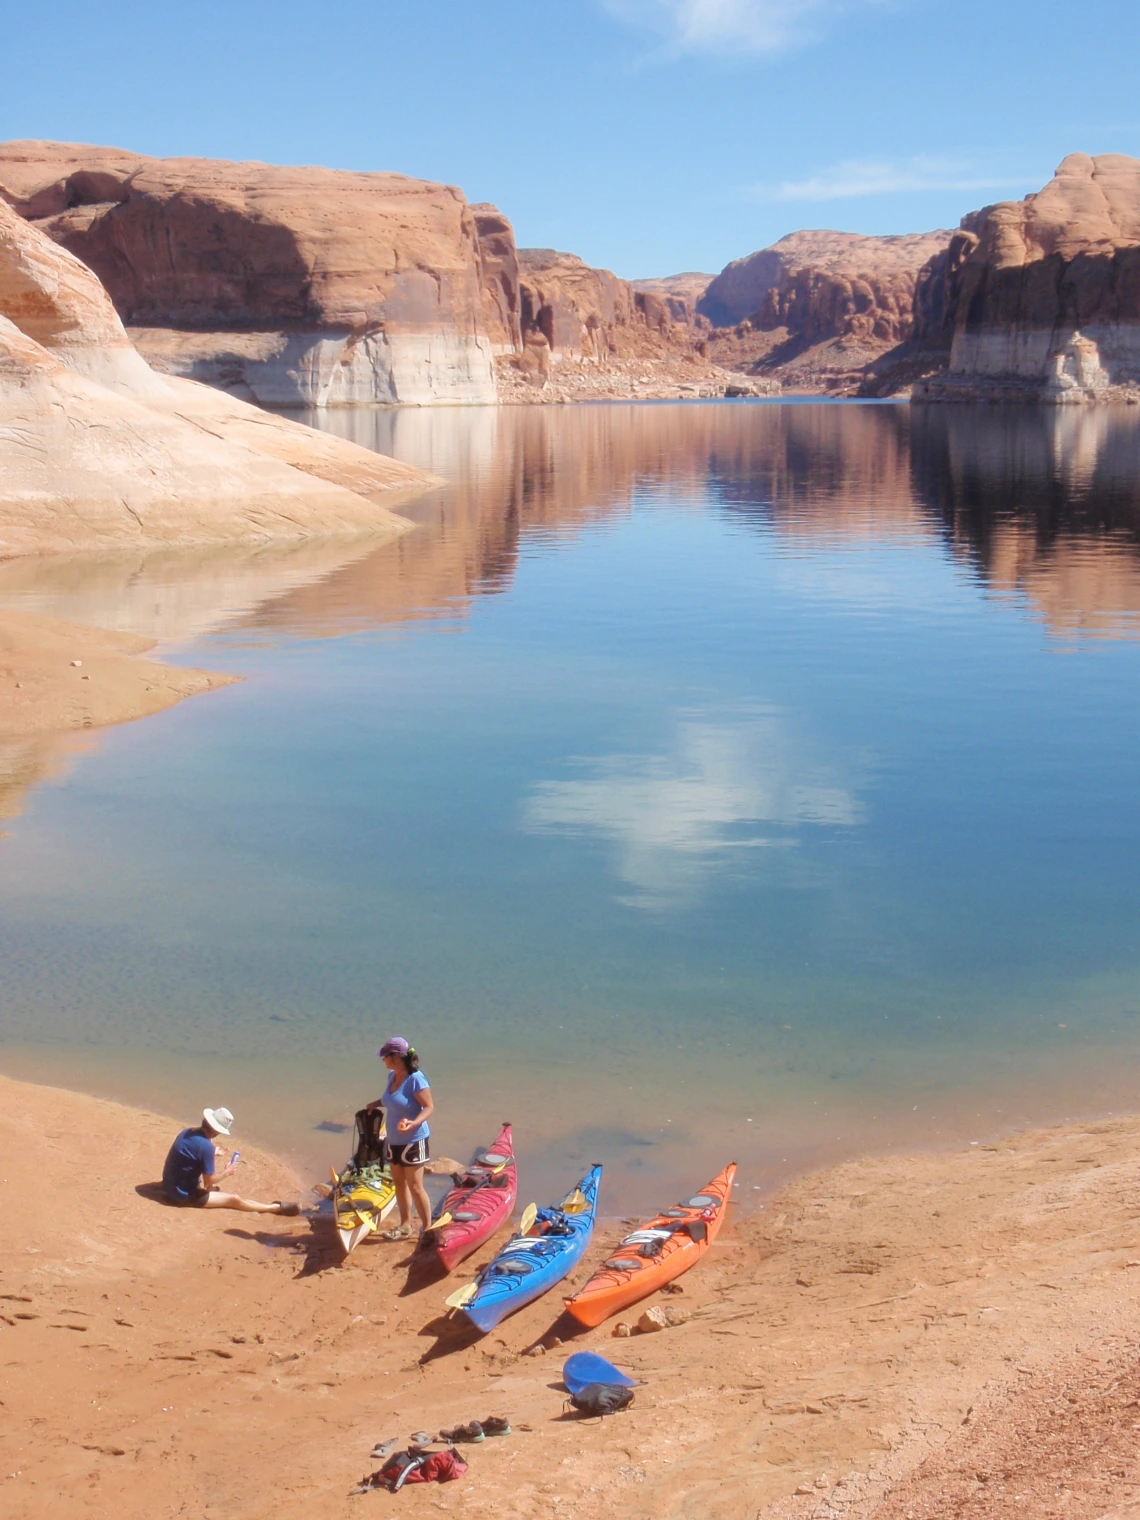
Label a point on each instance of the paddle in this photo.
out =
(446, 1218)
(577, 1203)
(462, 1296)
(530, 1214)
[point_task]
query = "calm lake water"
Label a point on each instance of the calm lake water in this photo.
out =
(697, 781)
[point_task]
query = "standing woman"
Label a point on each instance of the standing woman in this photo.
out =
(408, 1106)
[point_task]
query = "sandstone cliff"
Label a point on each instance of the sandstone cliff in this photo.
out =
(96, 449)
(1041, 297)
(817, 307)
(282, 285)
(681, 293)
(586, 333)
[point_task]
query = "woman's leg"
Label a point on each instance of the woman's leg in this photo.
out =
(400, 1178)
(418, 1193)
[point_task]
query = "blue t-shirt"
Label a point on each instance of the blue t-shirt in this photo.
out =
(401, 1104)
(190, 1158)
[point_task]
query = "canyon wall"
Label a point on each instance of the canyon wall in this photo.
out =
(97, 450)
(285, 286)
(1040, 298)
(307, 286)
(816, 308)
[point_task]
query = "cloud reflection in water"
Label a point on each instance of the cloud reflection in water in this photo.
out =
(679, 818)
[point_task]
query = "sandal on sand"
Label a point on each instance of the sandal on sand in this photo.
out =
(401, 1232)
(289, 1209)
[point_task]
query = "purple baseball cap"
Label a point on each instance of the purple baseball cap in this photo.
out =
(393, 1047)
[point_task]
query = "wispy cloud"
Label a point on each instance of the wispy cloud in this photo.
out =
(885, 176)
(732, 26)
(675, 819)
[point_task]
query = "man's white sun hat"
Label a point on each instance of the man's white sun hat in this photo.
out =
(218, 1119)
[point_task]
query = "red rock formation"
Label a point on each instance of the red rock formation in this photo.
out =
(1041, 297)
(96, 449)
(573, 315)
(821, 285)
(681, 293)
(292, 284)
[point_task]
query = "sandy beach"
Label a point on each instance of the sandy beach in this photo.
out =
(923, 1336)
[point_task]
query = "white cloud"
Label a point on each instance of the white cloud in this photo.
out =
(884, 176)
(731, 26)
(676, 819)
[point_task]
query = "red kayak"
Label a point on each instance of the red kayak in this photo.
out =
(481, 1200)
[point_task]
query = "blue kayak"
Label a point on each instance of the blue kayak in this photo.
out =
(529, 1265)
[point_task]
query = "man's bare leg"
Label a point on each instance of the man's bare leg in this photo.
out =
(248, 1205)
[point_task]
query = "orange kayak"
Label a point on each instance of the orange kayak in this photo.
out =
(655, 1254)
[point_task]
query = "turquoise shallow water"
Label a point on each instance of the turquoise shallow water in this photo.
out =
(695, 782)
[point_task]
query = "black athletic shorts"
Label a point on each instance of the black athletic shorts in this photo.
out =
(414, 1154)
(195, 1201)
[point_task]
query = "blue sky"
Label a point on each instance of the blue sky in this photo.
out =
(649, 136)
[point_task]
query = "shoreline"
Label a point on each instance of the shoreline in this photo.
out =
(836, 1346)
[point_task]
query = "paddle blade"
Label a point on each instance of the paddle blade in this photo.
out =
(530, 1214)
(438, 1224)
(335, 1176)
(462, 1296)
(577, 1203)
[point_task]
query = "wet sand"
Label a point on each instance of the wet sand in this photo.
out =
(57, 676)
(926, 1336)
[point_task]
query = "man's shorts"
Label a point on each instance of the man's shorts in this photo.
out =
(414, 1154)
(195, 1201)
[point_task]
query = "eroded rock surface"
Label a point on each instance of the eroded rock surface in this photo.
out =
(817, 308)
(284, 285)
(1041, 297)
(97, 450)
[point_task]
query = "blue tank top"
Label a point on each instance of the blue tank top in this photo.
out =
(401, 1103)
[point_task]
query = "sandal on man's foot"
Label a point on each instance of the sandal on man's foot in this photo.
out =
(495, 1426)
(400, 1232)
(291, 1210)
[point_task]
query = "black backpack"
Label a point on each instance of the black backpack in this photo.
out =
(602, 1399)
(371, 1146)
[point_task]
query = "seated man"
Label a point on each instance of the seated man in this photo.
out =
(190, 1175)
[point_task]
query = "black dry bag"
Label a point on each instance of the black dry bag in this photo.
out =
(602, 1398)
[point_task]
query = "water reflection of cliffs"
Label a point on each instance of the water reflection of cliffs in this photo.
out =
(1036, 503)
(1041, 503)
